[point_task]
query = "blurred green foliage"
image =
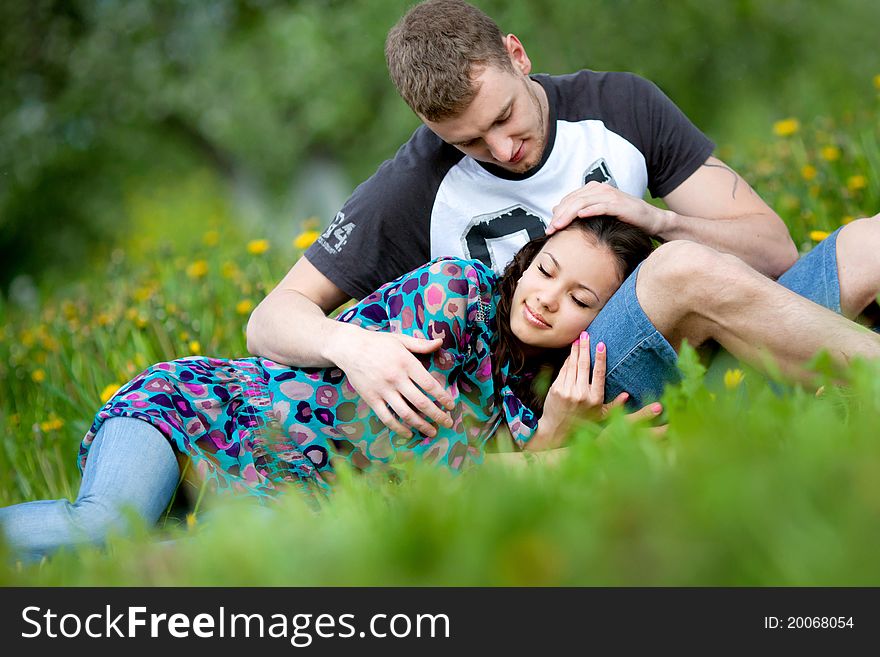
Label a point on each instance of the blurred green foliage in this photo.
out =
(100, 101)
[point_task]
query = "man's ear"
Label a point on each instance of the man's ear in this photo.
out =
(518, 56)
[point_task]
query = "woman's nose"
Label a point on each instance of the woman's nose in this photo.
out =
(547, 299)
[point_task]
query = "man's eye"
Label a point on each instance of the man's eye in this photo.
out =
(468, 144)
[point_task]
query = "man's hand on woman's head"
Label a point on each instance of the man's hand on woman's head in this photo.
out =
(596, 199)
(382, 369)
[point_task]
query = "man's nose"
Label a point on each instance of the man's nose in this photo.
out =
(500, 146)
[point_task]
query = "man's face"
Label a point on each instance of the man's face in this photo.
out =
(505, 124)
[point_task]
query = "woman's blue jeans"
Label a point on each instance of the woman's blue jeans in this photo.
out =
(131, 468)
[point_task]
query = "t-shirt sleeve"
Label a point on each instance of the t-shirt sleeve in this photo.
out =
(673, 146)
(383, 229)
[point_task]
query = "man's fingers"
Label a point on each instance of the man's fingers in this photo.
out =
(420, 401)
(380, 408)
(432, 387)
(595, 210)
(419, 345)
(409, 417)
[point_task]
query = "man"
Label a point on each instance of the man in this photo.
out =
(501, 158)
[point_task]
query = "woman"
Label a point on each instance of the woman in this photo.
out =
(249, 425)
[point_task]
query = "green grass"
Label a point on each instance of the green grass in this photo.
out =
(749, 487)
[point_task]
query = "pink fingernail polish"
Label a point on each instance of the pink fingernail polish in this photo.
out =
(600, 347)
(656, 408)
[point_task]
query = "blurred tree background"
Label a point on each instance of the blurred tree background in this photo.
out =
(118, 118)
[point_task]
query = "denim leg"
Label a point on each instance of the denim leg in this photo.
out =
(640, 360)
(131, 466)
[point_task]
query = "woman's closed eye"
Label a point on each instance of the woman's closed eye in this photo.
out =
(580, 303)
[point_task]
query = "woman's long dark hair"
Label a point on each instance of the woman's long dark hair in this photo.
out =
(629, 246)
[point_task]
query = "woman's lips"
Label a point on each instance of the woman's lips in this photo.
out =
(534, 318)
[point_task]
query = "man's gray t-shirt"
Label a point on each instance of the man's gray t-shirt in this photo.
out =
(431, 200)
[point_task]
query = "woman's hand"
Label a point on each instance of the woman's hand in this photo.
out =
(574, 395)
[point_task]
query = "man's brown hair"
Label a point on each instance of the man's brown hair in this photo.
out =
(432, 53)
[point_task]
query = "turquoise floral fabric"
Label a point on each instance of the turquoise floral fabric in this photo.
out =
(251, 424)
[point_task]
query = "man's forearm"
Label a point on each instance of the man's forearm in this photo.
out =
(289, 328)
(760, 240)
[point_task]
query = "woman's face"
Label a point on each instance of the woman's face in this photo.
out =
(562, 291)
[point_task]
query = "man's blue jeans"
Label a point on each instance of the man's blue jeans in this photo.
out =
(641, 361)
(131, 469)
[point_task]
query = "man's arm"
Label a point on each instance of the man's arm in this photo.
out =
(714, 206)
(290, 326)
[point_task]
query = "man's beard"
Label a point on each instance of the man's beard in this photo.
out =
(539, 140)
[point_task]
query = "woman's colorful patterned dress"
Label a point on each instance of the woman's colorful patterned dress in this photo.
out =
(249, 424)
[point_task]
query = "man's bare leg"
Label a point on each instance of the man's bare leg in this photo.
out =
(692, 292)
(858, 265)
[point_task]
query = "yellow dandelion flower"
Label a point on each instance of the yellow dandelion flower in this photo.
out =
(244, 307)
(131, 314)
(846, 220)
(258, 247)
(191, 520)
(195, 347)
(103, 319)
(197, 269)
(184, 336)
(818, 235)
(857, 182)
(304, 240)
(211, 238)
(143, 293)
(830, 153)
(27, 338)
(786, 127)
(877, 81)
(69, 309)
(50, 343)
(790, 202)
(229, 270)
(733, 378)
(108, 392)
(808, 172)
(38, 375)
(140, 322)
(52, 424)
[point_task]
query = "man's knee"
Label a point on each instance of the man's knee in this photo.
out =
(858, 268)
(689, 273)
(862, 236)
